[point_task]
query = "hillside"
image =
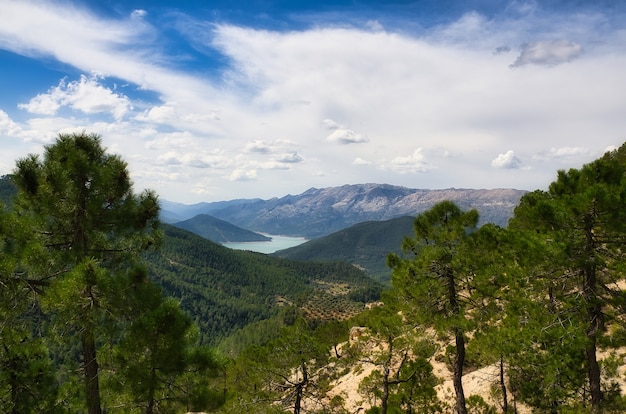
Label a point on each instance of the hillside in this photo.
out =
(319, 212)
(225, 290)
(219, 231)
(365, 245)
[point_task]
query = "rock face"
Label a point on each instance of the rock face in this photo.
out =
(318, 212)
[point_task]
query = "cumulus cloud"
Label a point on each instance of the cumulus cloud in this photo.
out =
(342, 134)
(87, 95)
(7, 125)
(507, 160)
(413, 163)
(548, 53)
(346, 136)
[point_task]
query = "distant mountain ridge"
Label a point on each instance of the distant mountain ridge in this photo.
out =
(321, 211)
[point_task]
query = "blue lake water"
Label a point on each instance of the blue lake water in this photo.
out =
(267, 247)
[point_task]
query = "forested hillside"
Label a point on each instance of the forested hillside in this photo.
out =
(225, 290)
(219, 231)
(365, 245)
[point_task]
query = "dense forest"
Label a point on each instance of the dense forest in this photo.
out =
(104, 309)
(225, 290)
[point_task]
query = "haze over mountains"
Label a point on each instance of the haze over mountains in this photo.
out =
(319, 212)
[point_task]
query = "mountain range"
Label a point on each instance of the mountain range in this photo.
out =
(321, 211)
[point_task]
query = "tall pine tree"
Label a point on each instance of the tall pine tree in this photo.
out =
(80, 202)
(435, 275)
(582, 220)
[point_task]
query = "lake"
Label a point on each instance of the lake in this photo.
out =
(267, 247)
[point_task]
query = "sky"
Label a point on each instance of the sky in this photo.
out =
(218, 100)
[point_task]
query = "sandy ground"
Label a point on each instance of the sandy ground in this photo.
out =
(478, 382)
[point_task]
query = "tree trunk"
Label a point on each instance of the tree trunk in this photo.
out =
(595, 316)
(505, 399)
(150, 407)
(300, 389)
(385, 397)
(90, 367)
(457, 378)
(459, 359)
(593, 372)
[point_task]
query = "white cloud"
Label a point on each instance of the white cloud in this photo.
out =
(410, 164)
(159, 114)
(87, 95)
(7, 125)
(342, 134)
(507, 160)
(442, 89)
(548, 53)
(346, 136)
(258, 146)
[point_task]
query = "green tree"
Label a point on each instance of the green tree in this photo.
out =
(402, 380)
(281, 375)
(435, 276)
(27, 382)
(80, 202)
(582, 220)
(161, 367)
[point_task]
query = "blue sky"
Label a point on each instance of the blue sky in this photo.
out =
(217, 100)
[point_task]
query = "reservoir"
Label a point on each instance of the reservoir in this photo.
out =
(267, 247)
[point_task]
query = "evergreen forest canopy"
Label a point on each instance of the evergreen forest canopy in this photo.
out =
(149, 318)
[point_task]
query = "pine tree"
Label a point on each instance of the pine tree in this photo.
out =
(80, 202)
(402, 379)
(582, 221)
(27, 382)
(435, 275)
